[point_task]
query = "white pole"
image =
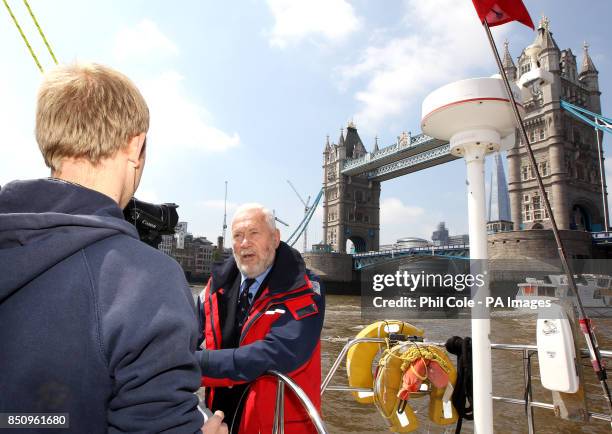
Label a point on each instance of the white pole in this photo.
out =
(481, 326)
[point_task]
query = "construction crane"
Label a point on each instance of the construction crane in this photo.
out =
(224, 215)
(306, 209)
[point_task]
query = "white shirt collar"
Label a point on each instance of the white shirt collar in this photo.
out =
(258, 279)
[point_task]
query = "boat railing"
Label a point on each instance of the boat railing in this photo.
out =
(527, 351)
(279, 412)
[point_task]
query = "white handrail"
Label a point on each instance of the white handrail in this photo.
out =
(279, 412)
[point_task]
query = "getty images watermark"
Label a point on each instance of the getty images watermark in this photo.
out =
(445, 289)
(457, 282)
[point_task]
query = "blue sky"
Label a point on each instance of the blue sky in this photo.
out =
(247, 91)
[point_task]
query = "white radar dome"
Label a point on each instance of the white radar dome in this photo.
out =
(472, 111)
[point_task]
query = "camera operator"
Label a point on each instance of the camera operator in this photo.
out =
(94, 323)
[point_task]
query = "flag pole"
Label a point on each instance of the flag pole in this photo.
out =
(584, 320)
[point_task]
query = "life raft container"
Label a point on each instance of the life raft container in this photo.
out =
(360, 357)
(402, 370)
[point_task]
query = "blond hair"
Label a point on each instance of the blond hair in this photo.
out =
(87, 111)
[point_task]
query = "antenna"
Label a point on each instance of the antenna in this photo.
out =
(306, 209)
(224, 214)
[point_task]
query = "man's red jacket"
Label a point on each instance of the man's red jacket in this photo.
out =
(282, 333)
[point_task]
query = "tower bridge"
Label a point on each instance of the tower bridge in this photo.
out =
(565, 150)
(409, 154)
(352, 178)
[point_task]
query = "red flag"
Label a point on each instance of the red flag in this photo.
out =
(497, 12)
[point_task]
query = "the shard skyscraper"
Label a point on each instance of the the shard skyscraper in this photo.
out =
(498, 218)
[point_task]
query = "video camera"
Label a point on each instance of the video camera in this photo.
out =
(151, 220)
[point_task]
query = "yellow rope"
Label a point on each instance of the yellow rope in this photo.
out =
(417, 352)
(23, 35)
(42, 35)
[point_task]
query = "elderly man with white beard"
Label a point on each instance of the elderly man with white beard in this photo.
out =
(261, 310)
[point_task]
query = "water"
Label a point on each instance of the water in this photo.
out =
(343, 415)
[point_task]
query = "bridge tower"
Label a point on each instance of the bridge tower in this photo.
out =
(351, 204)
(565, 148)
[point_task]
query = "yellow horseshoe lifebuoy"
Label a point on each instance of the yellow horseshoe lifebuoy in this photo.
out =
(388, 383)
(360, 357)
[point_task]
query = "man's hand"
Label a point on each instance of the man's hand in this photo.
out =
(215, 425)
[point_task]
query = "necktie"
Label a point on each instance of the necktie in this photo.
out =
(244, 302)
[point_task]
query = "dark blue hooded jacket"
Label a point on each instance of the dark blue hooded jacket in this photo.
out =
(93, 322)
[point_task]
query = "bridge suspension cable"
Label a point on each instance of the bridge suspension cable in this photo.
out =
(304, 223)
(595, 120)
(25, 39)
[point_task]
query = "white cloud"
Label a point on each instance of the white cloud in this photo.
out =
(298, 19)
(399, 220)
(393, 211)
(177, 118)
(142, 41)
(179, 121)
(441, 47)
